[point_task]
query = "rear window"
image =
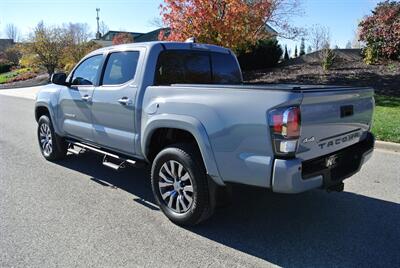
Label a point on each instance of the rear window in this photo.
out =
(196, 67)
(225, 69)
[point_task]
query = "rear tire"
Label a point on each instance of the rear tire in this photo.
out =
(180, 186)
(52, 146)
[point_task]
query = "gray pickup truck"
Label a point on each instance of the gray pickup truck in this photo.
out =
(184, 109)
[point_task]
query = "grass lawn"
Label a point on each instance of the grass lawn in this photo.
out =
(386, 126)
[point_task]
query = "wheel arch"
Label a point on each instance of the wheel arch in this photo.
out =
(186, 125)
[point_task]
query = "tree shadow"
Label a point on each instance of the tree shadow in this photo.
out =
(310, 229)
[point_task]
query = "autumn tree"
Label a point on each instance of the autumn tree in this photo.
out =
(48, 44)
(122, 38)
(78, 44)
(231, 23)
(381, 31)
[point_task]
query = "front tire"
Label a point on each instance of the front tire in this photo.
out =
(51, 145)
(179, 184)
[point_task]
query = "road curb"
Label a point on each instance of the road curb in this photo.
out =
(390, 146)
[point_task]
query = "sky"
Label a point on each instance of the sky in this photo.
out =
(340, 16)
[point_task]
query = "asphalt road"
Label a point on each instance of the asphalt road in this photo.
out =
(80, 213)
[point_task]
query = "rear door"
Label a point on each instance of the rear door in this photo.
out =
(75, 101)
(332, 119)
(113, 108)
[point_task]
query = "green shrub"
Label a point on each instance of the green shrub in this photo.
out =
(5, 67)
(370, 55)
(327, 58)
(264, 54)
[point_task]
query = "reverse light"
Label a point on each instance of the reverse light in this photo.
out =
(285, 127)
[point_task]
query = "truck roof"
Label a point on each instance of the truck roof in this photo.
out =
(166, 45)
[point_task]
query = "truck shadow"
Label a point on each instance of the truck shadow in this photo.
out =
(310, 229)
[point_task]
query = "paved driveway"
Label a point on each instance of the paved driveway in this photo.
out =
(79, 213)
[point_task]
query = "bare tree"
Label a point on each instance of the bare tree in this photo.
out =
(319, 36)
(103, 28)
(78, 33)
(356, 43)
(12, 32)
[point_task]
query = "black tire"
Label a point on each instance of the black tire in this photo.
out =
(189, 157)
(58, 145)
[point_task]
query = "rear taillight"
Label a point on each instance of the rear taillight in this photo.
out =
(285, 126)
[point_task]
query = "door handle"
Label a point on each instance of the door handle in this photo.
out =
(86, 98)
(125, 101)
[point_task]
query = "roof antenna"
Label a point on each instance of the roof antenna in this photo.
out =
(191, 40)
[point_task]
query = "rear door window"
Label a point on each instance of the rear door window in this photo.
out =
(121, 67)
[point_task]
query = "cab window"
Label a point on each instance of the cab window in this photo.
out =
(86, 73)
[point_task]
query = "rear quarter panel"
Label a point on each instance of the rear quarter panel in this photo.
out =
(235, 122)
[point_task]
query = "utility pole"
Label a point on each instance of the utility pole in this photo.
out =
(98, 34)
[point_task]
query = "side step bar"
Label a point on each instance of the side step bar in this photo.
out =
(83, 147)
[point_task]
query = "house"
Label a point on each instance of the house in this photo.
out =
(5, 43)
(106, 39)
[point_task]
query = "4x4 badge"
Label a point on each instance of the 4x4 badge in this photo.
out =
(310, 139)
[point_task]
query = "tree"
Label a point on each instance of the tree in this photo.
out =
(302, 47)
(381, 30)
(77, 36)
(103, 28)
(319, 36)
(48, 44)
(231, 23)
(295, 51)
(348, 45)
(122, 38)
(12, 32)
(286, 55)
(328, 58)
(13, 54)
(264, 54)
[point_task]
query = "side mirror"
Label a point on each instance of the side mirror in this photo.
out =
(59, 79)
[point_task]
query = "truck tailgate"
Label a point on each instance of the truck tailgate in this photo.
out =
(332, 119)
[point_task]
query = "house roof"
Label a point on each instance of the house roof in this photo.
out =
(5, 43)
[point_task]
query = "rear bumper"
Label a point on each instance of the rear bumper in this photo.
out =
(295, 175)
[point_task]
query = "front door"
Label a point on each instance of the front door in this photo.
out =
(113, 107)
(76, 100)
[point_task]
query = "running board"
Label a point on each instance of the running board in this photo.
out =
(83, 147)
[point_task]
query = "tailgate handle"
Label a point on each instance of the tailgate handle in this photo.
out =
(346, 110)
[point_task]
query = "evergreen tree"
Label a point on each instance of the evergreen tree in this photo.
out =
(286, 56)
(309, 50)
(295, 51)
(302, 47)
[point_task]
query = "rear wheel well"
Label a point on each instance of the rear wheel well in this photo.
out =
(163, 137)
(41, 110)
